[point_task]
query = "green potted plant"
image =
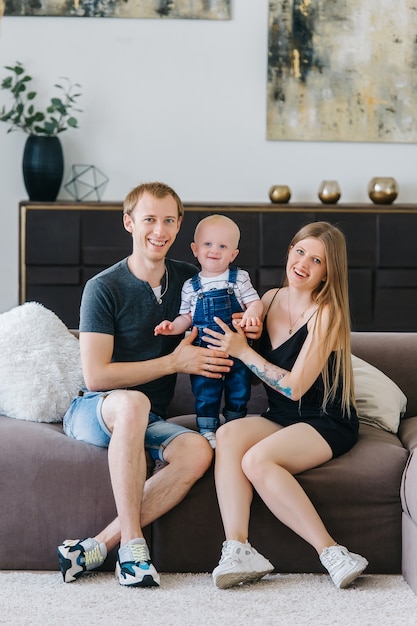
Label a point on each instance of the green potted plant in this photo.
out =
(43, 162)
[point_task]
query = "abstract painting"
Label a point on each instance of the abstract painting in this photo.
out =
(342, 70)
(180, 9)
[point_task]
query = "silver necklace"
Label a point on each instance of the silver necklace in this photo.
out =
(166, 287)
(300, 317)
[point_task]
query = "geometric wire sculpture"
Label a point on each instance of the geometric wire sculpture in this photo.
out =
(86, 180)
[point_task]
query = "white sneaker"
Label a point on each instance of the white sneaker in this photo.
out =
(211, 438)
(342, 565)
(240, 563)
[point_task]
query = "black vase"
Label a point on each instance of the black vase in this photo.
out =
(43, 167)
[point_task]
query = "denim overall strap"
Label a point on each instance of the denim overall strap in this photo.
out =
(233, 274)
(196, 282)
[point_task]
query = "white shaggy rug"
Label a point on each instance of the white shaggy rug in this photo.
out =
(31, 599)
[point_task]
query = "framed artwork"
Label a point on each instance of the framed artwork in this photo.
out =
(180, 9)
(343, 70)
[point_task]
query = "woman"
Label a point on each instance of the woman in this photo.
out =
(304, 361)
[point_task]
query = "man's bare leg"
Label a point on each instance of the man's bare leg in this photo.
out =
(188, 457)
(138, 502)
(126, 415)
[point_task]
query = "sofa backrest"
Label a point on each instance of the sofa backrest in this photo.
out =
(395, 354)
(183, 400)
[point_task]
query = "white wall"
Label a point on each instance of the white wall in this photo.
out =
(179, 101)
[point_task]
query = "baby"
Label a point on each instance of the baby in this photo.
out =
(217, 291)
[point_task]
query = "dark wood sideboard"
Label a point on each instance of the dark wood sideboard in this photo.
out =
(63, 244)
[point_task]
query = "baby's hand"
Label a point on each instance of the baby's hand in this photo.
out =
(164, 328)
(250, 320)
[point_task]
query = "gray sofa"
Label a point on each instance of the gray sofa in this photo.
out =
(54, 488)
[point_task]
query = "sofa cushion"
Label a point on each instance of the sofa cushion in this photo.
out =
(380, 402)
(52, 488)
(356, 494)
(40, 364)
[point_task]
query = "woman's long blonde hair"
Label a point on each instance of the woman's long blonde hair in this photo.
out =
(333, 293)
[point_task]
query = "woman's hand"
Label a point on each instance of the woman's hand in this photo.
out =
(233, 343)
(190, 359)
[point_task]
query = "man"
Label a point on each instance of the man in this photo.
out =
(130, 377)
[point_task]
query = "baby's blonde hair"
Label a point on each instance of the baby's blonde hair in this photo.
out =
(222, 221)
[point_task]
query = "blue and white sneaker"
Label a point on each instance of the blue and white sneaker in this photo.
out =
(77, 556)
(134, 567)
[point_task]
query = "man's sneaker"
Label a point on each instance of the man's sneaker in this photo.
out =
(211, 438)
(77, 556)
(342, 565)
(134, 567)
(240, 563)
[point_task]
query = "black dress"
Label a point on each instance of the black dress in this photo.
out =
(336, 427)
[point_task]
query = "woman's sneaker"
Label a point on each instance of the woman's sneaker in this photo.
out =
(240, 563)
(342, 565)
(77, 556)
(134, 567)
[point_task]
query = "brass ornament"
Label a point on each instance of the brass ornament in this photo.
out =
(329, 192)
(383, 189)
(280, 194)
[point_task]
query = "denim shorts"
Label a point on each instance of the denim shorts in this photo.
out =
(84, 421)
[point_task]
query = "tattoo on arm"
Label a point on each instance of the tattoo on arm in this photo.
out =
(272, 375)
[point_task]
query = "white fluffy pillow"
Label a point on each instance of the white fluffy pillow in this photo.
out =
(379, 401)
(40, 364)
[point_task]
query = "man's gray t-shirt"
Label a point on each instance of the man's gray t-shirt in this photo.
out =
(117, 303)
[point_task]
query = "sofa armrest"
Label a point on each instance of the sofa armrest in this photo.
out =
(407, 433)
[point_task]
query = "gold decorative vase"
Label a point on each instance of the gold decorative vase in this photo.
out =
(280, 194)
(383, 190)
(329, 191)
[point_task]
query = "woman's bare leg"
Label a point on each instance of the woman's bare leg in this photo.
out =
(234, 489)
(270, 466)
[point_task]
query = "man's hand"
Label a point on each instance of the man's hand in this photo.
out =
(191, 359)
